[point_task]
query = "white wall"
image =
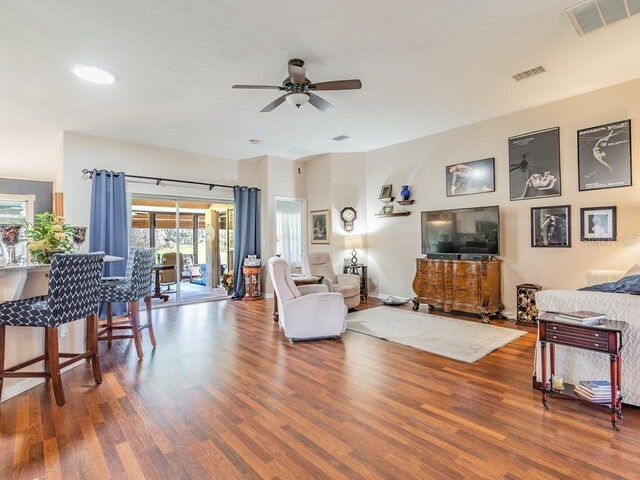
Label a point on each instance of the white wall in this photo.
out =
(394, 243)
(335, 181)
(30, 153)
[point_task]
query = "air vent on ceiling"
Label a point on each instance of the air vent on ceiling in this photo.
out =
(340, 138)
(528, 73)
(593, 14)
(299, 151)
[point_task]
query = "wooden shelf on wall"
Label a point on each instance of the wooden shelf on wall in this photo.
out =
(395, 214)
(405, 202)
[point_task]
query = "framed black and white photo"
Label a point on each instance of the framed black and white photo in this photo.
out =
(320, 226)
(551, 226)
(598, 223)
(385, 192)
(604, 156)
(534, 165)
(467, 178)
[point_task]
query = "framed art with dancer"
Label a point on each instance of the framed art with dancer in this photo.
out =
(604, 156)
(466, 178)
(551, 226)
(534, 165)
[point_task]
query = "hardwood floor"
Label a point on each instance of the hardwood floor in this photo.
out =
(224, 395)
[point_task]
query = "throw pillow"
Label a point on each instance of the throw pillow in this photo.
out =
(635, 270)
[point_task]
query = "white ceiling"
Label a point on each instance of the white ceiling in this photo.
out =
(426, 66)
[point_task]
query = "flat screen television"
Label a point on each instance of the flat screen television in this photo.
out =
(463, 231)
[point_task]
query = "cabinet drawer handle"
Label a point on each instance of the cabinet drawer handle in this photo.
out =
(555, 328)
(596, 344)
(596, 334)
(554, 337)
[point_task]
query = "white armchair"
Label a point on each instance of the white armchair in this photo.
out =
(318, 264)
(309, 311)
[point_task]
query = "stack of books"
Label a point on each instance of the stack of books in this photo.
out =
(582, 316)
(597, 391)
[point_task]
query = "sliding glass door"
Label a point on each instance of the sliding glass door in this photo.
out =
(191, 239)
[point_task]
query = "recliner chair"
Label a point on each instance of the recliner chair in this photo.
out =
(318, 264)
(308, 311)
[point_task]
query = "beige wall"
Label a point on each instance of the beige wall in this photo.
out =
(394, 243)
(335, 181)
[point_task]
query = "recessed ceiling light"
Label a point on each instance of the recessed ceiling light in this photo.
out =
(94, 74)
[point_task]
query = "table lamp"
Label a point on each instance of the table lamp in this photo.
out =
(353, 242)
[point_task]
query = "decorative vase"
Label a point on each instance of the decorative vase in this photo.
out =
(10, 236)
(79, 236)
(405, 193)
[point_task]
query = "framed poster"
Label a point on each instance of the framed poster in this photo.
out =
(467, 178)
(551, 226)
(534, 165)
(604, 156)
(598, 223)
(320, 226)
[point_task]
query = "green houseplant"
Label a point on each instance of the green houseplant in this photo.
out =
(47, 236)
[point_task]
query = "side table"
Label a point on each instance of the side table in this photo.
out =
(298, 280)
(359, 269)
(603, 337)
(252, 278)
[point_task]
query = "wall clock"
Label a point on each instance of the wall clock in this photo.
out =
(348, 216)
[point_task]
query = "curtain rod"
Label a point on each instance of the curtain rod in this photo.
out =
(158, 180)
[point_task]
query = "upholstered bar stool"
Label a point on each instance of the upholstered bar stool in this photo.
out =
(135, 287)
(73, 294)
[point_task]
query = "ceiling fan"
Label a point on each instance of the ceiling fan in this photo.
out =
(299, 89)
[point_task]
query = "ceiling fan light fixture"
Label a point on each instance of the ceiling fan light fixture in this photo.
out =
(297, 99)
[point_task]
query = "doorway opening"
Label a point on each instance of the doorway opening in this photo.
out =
(193, 239)
(290, 228)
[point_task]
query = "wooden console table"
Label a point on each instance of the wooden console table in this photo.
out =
(472, 286)
(603, 337)
(252, 282)
(299, 280)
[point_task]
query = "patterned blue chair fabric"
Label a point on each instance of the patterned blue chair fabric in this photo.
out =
(74, 284)
(138, 281)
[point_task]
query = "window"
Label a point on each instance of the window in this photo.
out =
(290, 234)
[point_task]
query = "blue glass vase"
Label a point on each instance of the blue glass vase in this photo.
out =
(405, 193)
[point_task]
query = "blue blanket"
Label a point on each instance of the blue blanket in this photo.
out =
(630, 284)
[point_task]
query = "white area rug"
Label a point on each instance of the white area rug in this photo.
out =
(458, 339)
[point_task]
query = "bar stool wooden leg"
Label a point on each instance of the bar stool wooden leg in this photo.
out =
(53, 361)
(92, 346)
(2, 338)
(152, 335)
(135, 326)
(109, 324)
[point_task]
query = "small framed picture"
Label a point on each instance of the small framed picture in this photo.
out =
(604, 156)
(385, 192)
(320, 226)
(598, 223)
(467, 178)
(551, 226)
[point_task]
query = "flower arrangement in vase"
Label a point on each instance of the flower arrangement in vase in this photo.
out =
(47, 236)
(227, 281)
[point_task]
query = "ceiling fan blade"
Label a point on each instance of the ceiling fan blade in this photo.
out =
(320, 103)
(255, 87)
(337, 85)
(274, 104)
(297, 74)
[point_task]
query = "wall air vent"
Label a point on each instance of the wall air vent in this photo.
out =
(529, 73)
(340, 138)
(593, 14)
